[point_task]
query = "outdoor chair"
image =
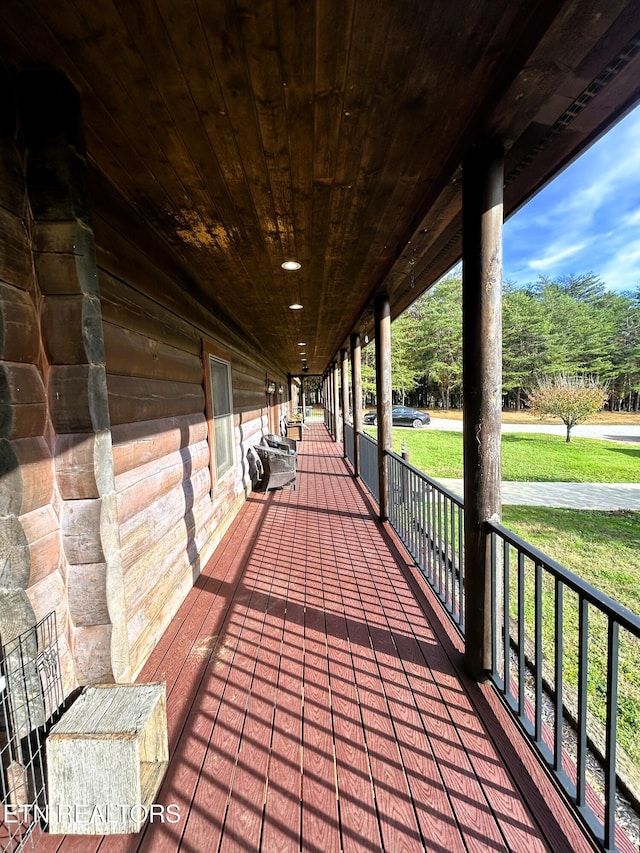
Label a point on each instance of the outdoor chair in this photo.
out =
(280, 443)
(278, 467)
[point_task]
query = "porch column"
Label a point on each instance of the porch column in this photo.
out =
(336, 400)
(330, 396)
(482, 382)
(303, 397)
(290, 392)
(325, 400)
(382, 312)
(344, 379)
(356, 393)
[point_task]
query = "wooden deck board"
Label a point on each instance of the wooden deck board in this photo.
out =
(316, 700)
(281, 826)
(228, 694)
(361, 830)
(206, 666)
(320, 822)
(249, 784)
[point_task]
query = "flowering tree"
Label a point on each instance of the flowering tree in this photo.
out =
(570, 398)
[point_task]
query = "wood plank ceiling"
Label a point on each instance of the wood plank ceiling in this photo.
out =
(330, 131)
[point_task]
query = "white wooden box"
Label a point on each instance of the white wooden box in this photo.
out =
(106, 759)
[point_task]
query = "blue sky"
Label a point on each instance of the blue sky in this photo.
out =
(586, 220)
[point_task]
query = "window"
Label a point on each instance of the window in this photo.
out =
(219, 413)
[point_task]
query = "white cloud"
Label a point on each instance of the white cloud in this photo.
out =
(551, 260)
(632, 218)
(587, 219)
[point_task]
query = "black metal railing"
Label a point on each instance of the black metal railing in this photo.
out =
(368, 448)
(429, 520)
(559, 649)
(349, 447)
(564, 655)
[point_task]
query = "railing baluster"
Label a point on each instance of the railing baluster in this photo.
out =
(439, 497)
(506, 618)
(611, 737)
(494, 603)
(583, 636)
(521, 665)
(421, 516)
(461, 567)
(432, 537)
(394, 502)
(558, 674)
(412, 515)
(405, 496)
(538, 653)
(455, 561)
(447, 558)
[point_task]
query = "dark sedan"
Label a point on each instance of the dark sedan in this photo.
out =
(401, 416)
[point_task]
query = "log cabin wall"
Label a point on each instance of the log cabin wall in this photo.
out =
(32, 571)
(50, 534)
(171, 512)
(107, 509)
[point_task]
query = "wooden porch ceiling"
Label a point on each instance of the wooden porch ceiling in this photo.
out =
(316, 700)
(330, 131)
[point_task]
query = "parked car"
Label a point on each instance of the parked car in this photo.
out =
(401, 416)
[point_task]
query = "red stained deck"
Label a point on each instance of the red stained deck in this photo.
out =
(317, 701)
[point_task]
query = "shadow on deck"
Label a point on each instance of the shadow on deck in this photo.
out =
(317, 702)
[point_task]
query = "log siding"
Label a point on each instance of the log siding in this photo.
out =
(107, 513)
(171, 512)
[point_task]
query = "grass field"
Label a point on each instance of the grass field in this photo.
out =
(523, 417)
(601, 547)
(532, 457)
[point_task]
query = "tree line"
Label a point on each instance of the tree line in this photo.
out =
(571, 326)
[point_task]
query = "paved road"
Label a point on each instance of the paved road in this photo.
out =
(606, 496)
(612, 432)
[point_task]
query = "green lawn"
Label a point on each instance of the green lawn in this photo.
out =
(601, 547)
(531, 457)
(604, 549)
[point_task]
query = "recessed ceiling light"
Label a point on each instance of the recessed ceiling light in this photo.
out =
(291, 265)
(302, 343)
(296, 306)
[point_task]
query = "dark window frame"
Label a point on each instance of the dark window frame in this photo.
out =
(220, 469)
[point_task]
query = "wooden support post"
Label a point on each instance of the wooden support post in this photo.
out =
(303, 398)
(335, 391)
(324, 400)
(344, 379)
(356, 393)
(482, 382)
(382, 310)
